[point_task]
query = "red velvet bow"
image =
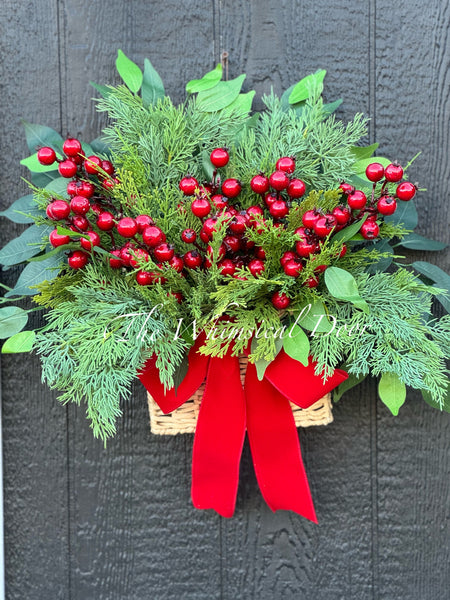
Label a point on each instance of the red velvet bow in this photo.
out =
(262, 408)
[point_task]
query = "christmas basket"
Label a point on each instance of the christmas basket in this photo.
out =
(243, 265)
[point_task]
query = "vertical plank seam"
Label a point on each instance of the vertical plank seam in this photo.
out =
(62, 77)
(373, 408)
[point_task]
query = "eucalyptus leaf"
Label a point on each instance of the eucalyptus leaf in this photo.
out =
(331, 107)
(32, 163)
(296, 345)
(406, 215)
(362, 152)
(242, 104)
(57, 186)
(351, 382)
(342, 285)
(384, 263)
(103, 90)
(41, 180)
(208, 81)
(25, 246)
(180, 372)
(208, 168)
(392, 392)
(221, 95)
(303, 88)
(22, 210)
(129, 71)
(360, 165)
(432, 402)
(35, 273)
(41, 135)
(86, 149)
(21, 342)
(12, 320)
(152, 85)
(100, 146)
(348, 232)
(414, 241)
(314, 317)
(441, 280)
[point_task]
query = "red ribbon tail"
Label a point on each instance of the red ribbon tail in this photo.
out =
(275, 448)
(219, 438)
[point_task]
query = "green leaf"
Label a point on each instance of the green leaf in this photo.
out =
(12, 320)
(100, 146)
(20, 249)
(342, 285)
(331, 107)
(414, 241)
(21, 342)
(406, 215)
(351, 382)
(86, 149)
(441, 280)
(444, 300)
(181, 372)
(285, 105)
(432, 402)
(304, 87)
(35, 273)
(360, 165)
(152, 85)
(392, 392)
(32, 163)
(129, 71)
(208, 168)
(57, 250)
(383, 263)
(297, 345)
(314, 317)
(58, 186)
(41, 135)
(221, 95)
(103, 90)
(242, 104)
(206, 82)
(72, 234)
(25, 205)
(362, 152)
(41, 180)
(348, 232)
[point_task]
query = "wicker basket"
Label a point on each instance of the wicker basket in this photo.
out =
(184, 418)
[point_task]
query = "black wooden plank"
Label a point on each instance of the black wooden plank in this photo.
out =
(412, 110)
(134, 532)
(34, 425)
(283, 555)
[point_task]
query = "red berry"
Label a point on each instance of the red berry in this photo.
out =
(303, 232)
(107, 167)
(343, 251)
(72, 187)
(219, 157)
(369, 230)
(219, 201)
(209, 226)
(108, 184)
(239, 223)
(286, 164)
(143, 221)
(232, 242)
(312, 282)
(67, 168)
(374, 172)
(210, 254)
(96, 208)
(280, 300)
(164, 252)
(115, 263)
(86, 189)
(80, 205)
(386, 205)
(105, 221)
(279, 180)
(80, 223)
(260, 253)
(279, 209)
(94, 240)
(393, 173)
(153, 236)
(341, 214)
(231, 188)
(256, 267)
(137, 257)
(253, 212)
(259, 184)
(127, 227)
(200, 207)
(58, 239)
(310, 217)
(292, 268)
(46, 156)
(287, 256)
(406, 191)
(324, 225)
(357, 200)
(92, 164)
(247, 244)
(227, 267)
(125, 253)
(188, 236)
(145, 278)
(176, 263)
(346, 188)
(58, 210)
(188, 185)
(177, 295)
(72, 147)
(305, 248)
(296, 188)
(270, 198)
(192, 259)
(78, 259)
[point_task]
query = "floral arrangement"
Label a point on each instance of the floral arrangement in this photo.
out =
(188, 236)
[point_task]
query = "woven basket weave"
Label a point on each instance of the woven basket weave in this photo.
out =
(184, 418)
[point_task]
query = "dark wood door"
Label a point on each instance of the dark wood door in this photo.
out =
(85, 523)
